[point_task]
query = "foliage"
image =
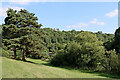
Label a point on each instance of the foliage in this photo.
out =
(104, 37)
(88, 53)
(23, 37)
(117, 40)
(82, 53)
(21, 31)
(111, 63)
(117, 44)
(68, 58)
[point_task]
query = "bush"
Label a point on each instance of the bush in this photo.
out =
(111, 63)
(87, 52)
(87, 56)
(73, 54)
(59, 60)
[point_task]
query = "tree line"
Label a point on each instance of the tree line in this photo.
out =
(23, 37)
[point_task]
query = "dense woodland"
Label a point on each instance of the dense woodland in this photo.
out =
(23, 37)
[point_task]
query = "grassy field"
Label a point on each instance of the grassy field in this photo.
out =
(39, 69)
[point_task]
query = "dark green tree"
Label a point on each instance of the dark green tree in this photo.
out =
(117, 43)
(17, 28)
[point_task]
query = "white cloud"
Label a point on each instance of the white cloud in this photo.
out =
(24, 2)
(95, 21)
(4, 9)
(100, 23)
(112, 13)
(79, 25)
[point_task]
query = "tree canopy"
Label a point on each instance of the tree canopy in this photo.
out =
(21, 31)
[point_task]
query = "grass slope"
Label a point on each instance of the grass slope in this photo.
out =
(38, 69)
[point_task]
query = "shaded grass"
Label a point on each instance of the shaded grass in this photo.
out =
(70, 68)
(102, 74)
(35, 68)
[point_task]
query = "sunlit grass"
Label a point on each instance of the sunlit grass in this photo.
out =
(39, 69)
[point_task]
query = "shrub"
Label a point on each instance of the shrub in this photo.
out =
(111, 63)
(86, 56)
(59, 60)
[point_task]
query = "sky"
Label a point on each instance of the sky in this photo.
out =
(87, 16)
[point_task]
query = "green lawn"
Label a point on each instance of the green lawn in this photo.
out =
(39, 69)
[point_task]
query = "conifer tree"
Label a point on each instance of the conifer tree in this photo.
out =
(17, 29)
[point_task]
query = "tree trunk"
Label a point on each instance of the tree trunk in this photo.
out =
(27, 52)
(15, 54)
(23, 55)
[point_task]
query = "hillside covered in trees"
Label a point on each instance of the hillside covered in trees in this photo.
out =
(23, 37)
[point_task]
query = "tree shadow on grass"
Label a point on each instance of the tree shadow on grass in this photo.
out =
(113, 76)
(84, 71)
(27, 61)
(31, 62)
(65, 67)
(108, 75)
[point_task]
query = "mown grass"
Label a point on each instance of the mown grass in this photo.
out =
(40, 69)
